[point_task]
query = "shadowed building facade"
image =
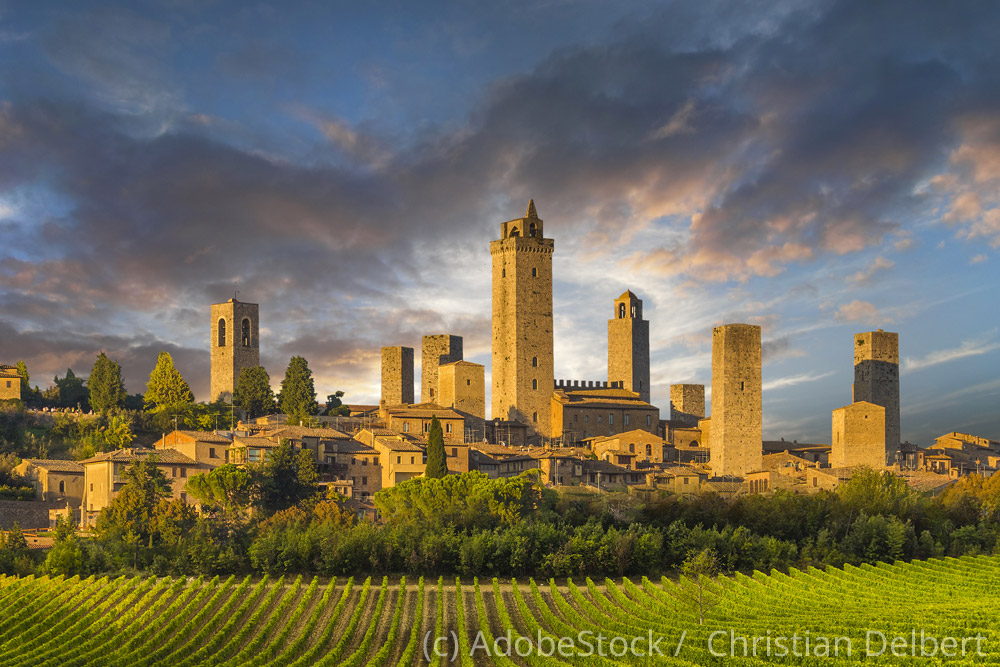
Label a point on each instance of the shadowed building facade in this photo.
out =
(876, 379)
(736, 434)
(436, 351)
(687, 404)
(523, 369)
(628, 346)
(235, 345)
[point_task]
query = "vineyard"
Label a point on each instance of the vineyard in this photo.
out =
(856, 614)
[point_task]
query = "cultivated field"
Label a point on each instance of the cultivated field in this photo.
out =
(294, 621)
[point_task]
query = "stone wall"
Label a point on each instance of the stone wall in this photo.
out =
(523, 368)
(736, 432)
(687, 403)
(397, 375)
(463, 388)
(435, 351)
(27, 514)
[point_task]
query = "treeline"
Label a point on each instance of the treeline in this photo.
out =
(271, 518)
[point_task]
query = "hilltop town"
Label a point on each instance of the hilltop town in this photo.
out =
(595, 435)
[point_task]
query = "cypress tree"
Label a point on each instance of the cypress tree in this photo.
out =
(107, 390)
(436, 464)
(297, 397)
(166, 386)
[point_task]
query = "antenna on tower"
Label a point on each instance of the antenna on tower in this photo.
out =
(235, 290)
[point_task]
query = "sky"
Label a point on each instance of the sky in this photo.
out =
(817, 168)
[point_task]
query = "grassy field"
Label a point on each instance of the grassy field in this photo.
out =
(232, 621)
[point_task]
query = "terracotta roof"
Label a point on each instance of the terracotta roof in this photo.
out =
(293, 432)
(56, 465)
(600, 397)
(8, 371)
(397, 445)
(591, 465)
(424, 411)
(255, 441)
(463, 362)
(493, 450)
(165, 456)
(642, 433)
(204, 436)
(349, 447)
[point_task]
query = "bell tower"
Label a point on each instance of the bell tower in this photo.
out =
(523, 368)
(628, 346)
(235, 344)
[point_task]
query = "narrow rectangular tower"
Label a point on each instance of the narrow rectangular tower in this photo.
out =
(737, 431)
(463, 388)
(687, 403)
(397, 375)
(235, 345)
(628, 346)
(523, 371)
(435, 352)
(876, 379)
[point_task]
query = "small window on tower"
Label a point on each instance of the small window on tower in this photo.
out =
(246, 332)
(503, 273)
(531, 229)
(534, 273)
(222, 333)
(621, 311)
(468, 383)
(534, 384)
(534, 416)
(741, 386)
(534, 362)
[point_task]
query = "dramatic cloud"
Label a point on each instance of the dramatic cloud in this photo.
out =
(968, 348)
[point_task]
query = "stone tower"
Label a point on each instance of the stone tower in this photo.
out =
(235, 344)
(737, 432)
(858, 436)
(628, 346)
(463, 388)
(687, 403)
(436, 351)
(876, 379)
(523, 371)
(397, 375)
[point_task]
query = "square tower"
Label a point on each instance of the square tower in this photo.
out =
(687, 403)
(397, 375)
(858, 436)
(523, 370)
(628, 346)
(737, 431)
(436, 350)
(235, 345)
(463, 388)
(876, 379)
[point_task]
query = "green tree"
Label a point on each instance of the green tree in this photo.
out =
(228, 487)
(297, 397)
(699, 566)
(285, 478)
(14, 555)
(22, 370)
(437, 466)
(107, 390)
(65, 557)
(253, 392)
(68, 392)
(166, 387)
(334, 406)
(131, 515)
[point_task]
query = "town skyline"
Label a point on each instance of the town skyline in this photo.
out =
(152, 164)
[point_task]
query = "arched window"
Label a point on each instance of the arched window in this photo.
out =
(62, 487)
(649, 450)
(534, 362)
(534, 416)
(246, 332)
(222, 333)
(534, 384)
(631, 448)
(634, 311)
(621, 311)
(531, 229)
(514, 232)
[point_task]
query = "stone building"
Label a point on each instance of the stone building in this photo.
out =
(687, 404)
(104, 475)
(580, 412)
(235, 344)
(358, 465)
(736, 428)
(400, 459)
(858, 436)
(415, 420)
(201, 446)
(876, 379)
(397, 375)
(53, 479)
(10, 383)
(435, 351)
(523, 367)
(638, 444)
(628, 346)
(463, 389)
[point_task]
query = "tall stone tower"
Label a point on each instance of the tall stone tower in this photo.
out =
(235, 344)
(736, 434)
(876, 379)
(397, 375)
(436, 351)
(687, 403)
(523, 370)
(628, 346)
(463, 388)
